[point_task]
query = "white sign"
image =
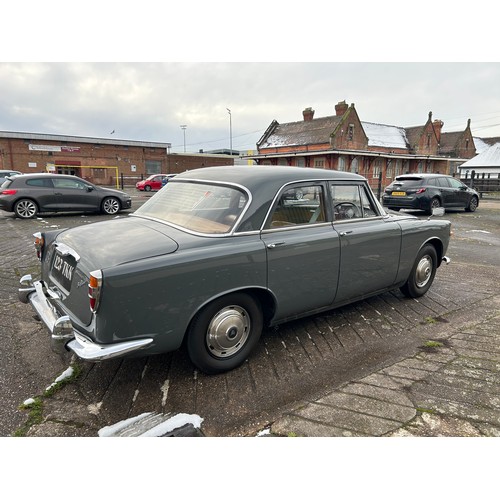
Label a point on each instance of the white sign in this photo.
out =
(44, 147)
(31, 164)
(133, 168)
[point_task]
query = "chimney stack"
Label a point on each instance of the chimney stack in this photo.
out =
(308, 114)
(341, 107)
(438, 125)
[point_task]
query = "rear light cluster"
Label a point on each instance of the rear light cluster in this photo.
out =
(95, 285)
(9, 192)
(420, 190)
(39, 243)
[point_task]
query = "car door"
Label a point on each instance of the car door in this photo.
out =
(303, 251)
(459, 193)
(41, 189)
(75, 194)
(370, 243)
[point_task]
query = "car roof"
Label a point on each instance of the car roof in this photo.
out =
(255, 176)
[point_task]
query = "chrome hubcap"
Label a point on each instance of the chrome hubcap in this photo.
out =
(424, 271)
(228, 331)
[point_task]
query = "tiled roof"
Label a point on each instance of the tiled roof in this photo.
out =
(316, 131)
(488, 158)
(449, 141)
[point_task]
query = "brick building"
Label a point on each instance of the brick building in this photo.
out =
(344, 142)
(102, 161)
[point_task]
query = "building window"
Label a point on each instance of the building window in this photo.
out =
(354, 166)
(429, 167)
(153, 167)
(428, 140)
(300, 162)
(319, 163)
(466, 144)
(350, 132)
(420, 168)
(341, 164)
(377, 168)
(397, 170)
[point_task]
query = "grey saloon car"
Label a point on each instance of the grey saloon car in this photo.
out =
(29, 194)
(221, 253)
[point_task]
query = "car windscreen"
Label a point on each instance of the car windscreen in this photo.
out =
(195, 206)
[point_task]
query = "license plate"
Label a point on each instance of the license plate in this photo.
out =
(398, 193)
(63, 269)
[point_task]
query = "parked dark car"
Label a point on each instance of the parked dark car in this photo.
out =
(221, 253)
(29, 194)
(152, 183)
(7, 173)
(428, 191)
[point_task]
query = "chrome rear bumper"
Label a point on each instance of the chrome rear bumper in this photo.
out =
(64, 336)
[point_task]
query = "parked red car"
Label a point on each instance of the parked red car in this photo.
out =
(152, 183)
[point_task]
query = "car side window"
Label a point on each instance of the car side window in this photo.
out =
(456, 183)
(443, 182)
(69, 184)
(45, 183)
(298, 205)
(350, 201)
(433, 182)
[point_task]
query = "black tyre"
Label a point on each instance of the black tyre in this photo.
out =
(110, 206)
(26, 209)
(435, 203)
(224, 333)
(422, 273)
(473, 203)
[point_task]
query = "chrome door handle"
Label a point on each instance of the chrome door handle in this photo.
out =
(344, 233)
(277, 244)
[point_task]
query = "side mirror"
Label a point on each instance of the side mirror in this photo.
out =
(89, 189)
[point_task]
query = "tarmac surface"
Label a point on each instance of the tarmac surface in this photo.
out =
(429, 367)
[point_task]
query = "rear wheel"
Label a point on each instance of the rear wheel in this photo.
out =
(26, 209)
(224, 333)
(110, 206)
(473, 203)
(422, 273)
(147, 187)
(435, 203)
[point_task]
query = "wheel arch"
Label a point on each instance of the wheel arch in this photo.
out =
(438, 246)
(263, 296)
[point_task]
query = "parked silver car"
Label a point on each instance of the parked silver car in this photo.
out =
(221, 253)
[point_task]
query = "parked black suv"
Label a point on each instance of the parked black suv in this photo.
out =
(428, 191)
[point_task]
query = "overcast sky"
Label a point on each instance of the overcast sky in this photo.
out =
(151, 100)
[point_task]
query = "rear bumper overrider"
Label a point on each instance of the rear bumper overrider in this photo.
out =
(64, 336)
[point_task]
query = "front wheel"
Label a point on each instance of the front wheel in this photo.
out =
(473, 203)
(422, 273)
(26, 209)
(110, 206)
(224, 333)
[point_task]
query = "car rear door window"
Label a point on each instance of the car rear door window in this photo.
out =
(42, 182)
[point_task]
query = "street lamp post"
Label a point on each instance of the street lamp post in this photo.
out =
(183, 127)
(230, 132)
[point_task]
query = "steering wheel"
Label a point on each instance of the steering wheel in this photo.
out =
(346, 210)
